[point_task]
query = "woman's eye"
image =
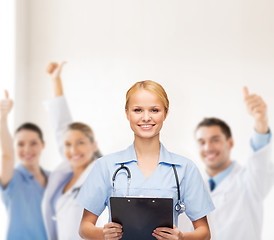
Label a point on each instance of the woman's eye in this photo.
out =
(155, 110)
(137, 110)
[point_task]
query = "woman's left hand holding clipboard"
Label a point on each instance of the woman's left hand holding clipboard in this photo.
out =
(164, 233)
(112, 231)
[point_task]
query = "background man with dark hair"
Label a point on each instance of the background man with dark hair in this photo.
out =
(237, 192)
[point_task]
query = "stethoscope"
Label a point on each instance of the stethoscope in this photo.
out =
(179, 207)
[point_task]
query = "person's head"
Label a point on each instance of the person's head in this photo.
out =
(80, 145)
(29, 144)
(215, 142)
(146, 108)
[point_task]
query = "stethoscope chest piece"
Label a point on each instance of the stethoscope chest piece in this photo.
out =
(180, 207)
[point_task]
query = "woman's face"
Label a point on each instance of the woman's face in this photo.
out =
(28, 146)
(78, 148)
(146, 114)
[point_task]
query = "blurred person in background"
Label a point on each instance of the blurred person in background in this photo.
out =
(237, 192)
(22, 187)
(78, 148)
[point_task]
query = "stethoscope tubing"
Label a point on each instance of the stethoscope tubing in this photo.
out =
(179, 207)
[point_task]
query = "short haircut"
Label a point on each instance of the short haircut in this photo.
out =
(209, 122)
(31, 127)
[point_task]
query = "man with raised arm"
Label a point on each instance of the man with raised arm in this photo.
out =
(237, 192)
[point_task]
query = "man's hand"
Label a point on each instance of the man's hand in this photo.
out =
(257, 108)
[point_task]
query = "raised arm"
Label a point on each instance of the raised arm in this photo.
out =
(7, 152)
(260, 169)
(58, 109)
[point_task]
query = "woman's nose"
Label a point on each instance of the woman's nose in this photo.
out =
(146, 116)
(72, 149)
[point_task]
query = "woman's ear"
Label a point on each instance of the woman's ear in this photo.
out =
(127, 113)
(165, 115)
(95, 146)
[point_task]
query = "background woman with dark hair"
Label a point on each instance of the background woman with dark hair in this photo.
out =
(22, 188)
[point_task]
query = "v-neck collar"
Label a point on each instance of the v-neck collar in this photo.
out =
(30, 177)
(129, 155)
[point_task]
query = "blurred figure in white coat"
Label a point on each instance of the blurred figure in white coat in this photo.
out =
(237, 191)
(62, 214)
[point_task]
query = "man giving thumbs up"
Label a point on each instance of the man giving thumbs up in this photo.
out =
(237, 192)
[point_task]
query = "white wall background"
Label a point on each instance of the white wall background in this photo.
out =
(7, 63)
(202, 52)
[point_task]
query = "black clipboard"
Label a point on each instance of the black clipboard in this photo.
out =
(139, 216)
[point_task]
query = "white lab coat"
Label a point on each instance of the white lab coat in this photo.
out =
(68, 211)
(238, 199)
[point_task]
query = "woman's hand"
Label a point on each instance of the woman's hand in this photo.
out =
(168, 233)
(6, 143)
(54, 70)
(112, 231)
(5, 105)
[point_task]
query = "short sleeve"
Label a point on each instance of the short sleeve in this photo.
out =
(7, 192)
(94, 192)
(196, 196)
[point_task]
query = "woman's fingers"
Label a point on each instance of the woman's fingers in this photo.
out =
(51, 67)
(112, 231)
(162, 233)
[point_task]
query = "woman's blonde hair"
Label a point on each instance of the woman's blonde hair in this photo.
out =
(87, 131)
(151, 86)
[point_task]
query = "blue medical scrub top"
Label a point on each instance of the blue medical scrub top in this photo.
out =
(22, 198)
(97, 189)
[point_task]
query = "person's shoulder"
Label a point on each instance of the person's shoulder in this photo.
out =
(111, 157)
(180, 160)
(19, 173)
(17, 181)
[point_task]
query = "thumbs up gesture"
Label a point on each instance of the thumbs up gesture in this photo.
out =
(55, 70)
(257, 108)
(5, 105)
